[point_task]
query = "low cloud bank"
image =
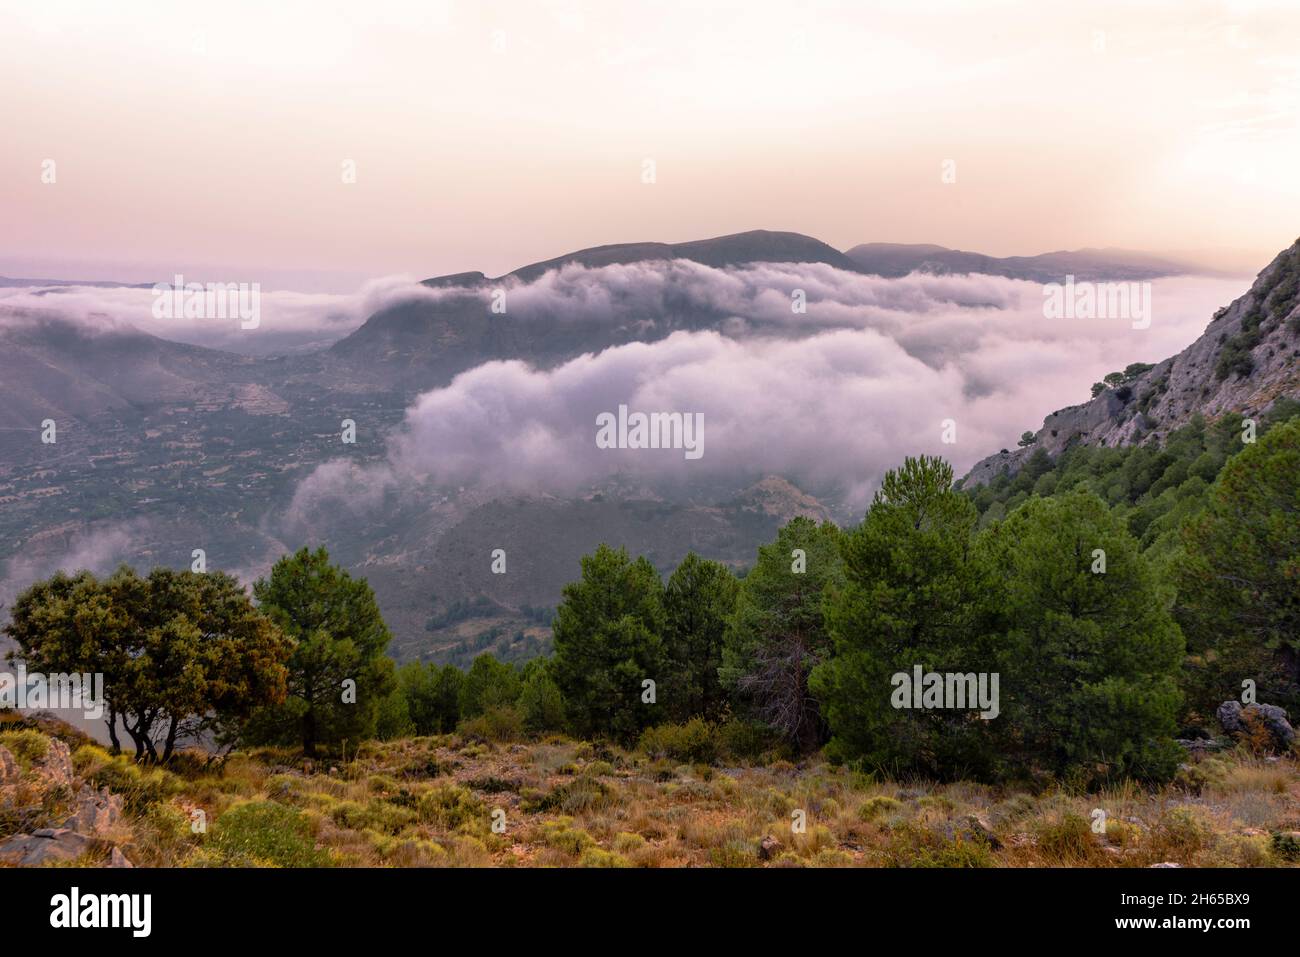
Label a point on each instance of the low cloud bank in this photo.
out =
(830, 397)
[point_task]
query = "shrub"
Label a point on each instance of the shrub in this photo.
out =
(139, 786)
(583, 793)
(1286, 845)
(27, 746)
(497, 724)
(693, 742)
(1069, 839)
(596, 857)
(561, 835)
(746, 740)
(734, 853)
(878, 806)
(913, 845)
(266, 834)
(626, 842)
(449, 806)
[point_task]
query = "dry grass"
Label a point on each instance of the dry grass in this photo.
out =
(447, 802)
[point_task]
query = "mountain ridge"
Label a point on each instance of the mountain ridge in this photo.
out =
(1243, 362)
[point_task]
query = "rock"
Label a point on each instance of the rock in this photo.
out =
(768, 848)
(43, 845)
(56, 767)
(97, 812)
(981, 828)
(1166, 864)
(117, 859)
(1238, 720)
(9, 770)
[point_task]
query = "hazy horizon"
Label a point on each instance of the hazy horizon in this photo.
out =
(320, 145)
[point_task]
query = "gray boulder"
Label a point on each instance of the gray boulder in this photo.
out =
(45, 844)
(1237, 720)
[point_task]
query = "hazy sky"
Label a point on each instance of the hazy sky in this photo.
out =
(488, 135)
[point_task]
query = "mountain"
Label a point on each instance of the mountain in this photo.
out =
(1244, 361)
(899, 259)
(423, 343)
(54, 367)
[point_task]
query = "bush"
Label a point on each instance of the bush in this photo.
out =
(1286, 846)
(596, 857)
(497, 724)
(266, 834)
(139, 786)
(879, 806)
(583, 793)
(1069, 839)
(450, 806)
(913, 845)
(28, 746)
(746, 740)
(562, 836)
(695, 742)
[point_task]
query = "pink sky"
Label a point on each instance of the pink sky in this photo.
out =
(488, 135)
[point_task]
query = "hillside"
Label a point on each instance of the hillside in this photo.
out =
(1243, 362)
(899, 259)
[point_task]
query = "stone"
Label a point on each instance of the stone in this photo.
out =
(56, 767)
(1238, 720)
(768, 848)
(981, 829)
(97, 812)
(44, 845)
(117, 859)
(1167, 864)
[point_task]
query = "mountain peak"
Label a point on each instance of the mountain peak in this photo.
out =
(755, 245)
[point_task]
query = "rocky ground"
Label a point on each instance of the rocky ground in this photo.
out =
(464, 800)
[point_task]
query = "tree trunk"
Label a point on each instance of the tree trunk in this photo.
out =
(309, 732)
(112, 731)
(170, 746)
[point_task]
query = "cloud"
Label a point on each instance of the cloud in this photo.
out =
(98, 550)
(830, 398)
(288, 322)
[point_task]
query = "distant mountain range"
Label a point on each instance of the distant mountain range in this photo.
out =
(898, 259)
(185, 447)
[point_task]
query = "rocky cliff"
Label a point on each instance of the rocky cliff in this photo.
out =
(1244, 361)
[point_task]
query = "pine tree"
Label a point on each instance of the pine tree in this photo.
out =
(1238, 575)
(608, 642)
(777, 634)
(912, 597)
(338, 672)
(1087, 650)
(698, 600)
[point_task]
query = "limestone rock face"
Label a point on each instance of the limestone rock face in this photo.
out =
(1168, 395)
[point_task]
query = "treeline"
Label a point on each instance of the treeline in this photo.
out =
(1094, 645)
(1104, 647)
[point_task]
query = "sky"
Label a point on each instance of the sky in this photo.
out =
(151, 138)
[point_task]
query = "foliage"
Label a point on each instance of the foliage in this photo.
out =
(608, 642)
(182, 653)
(338, 673)
(777, 634)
